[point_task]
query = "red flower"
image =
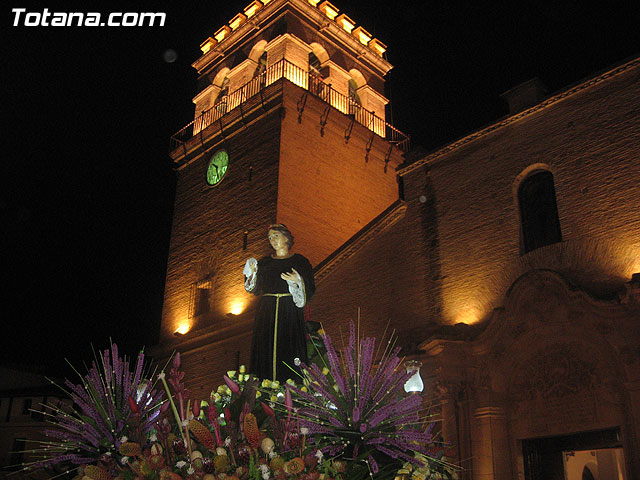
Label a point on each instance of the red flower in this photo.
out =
(268, 410)
(134, 406)
(232, 385)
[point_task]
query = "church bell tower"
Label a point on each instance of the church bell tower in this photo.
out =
(290, 128)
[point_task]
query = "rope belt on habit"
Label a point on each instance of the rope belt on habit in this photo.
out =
(275, 326)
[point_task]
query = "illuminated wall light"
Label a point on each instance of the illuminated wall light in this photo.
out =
(634, 267)
(207, 45)
(252, 8)
(331, 11)
(346, 23)
(183, 328)
(377, 46)
(237, 307)
(469, 316)
(222, 33)
(362, 35)
(238, 20)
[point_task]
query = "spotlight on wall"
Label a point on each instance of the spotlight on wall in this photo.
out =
(237, 307)
(182, 329)
(414, 384)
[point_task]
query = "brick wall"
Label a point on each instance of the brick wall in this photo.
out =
(209, 222)
(591, 143)
(327, 189)
(385, 282)
(456, 251)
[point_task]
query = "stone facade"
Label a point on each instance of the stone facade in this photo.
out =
(518, 346)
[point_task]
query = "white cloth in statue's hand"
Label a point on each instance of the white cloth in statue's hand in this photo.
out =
(296, 289)
(250, 270)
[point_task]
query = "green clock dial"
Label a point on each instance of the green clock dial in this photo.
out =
(217, 167)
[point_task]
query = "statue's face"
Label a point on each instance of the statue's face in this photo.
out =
(277, 240)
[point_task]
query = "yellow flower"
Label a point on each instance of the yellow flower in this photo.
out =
(258, 394)
(290, 382)
(217, 397)
(266, 383)
(321, 331)
(274, 398)
(231, 373)
(221, 463)
(275, 384)
(276, 463)
(304, 389)
(325, 370)
(242, 369)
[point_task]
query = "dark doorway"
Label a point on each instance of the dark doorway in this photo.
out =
(543, 457)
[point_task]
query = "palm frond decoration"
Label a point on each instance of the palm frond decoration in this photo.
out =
(356, 408)
(111, 405)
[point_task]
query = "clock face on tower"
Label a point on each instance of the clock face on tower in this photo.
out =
(217, 167)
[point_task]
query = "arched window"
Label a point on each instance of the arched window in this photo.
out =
(538, 211)
(223, 96)
(262, 65)
(316, 85)
(587, 474)
(314, 64)
(354, 98)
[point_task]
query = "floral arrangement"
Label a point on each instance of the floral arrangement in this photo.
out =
(343, 418)
(111, 403)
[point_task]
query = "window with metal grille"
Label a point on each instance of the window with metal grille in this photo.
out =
(201, 295)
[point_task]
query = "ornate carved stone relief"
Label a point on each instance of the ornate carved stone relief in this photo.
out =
(554, 372)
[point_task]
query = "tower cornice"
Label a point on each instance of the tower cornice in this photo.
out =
(229, 37)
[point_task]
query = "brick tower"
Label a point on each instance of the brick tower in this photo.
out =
(289, 127)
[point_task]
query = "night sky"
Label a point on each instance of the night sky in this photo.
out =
(87, 185)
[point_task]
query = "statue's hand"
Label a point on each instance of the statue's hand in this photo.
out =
(250, 268)
(291, 276)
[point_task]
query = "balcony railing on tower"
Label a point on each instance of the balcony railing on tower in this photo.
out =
(300, 77)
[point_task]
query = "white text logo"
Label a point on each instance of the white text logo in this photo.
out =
(88, 19)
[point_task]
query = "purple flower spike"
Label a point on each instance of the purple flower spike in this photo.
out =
(366, 415)
(105, 404)
(373, 464)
